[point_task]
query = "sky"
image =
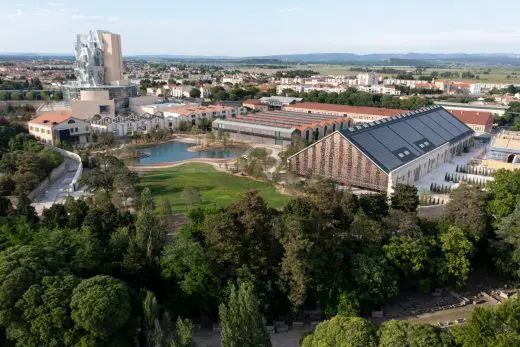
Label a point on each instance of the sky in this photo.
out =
(267, 27)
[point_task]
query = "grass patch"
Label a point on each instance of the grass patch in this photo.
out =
(216, 188)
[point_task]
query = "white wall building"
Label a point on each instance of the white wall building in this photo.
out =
(368, 79)
(379, 89)
(169, 118)
(51, 128)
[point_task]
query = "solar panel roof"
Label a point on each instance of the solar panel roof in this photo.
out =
(400, 140)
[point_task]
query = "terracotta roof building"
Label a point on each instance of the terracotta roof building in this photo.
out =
(280, 127)
(50, 128)
(358, 114)
(480, 122)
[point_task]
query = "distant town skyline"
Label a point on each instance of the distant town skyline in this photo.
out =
(236, 28)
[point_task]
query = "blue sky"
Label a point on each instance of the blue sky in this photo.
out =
(247, 28)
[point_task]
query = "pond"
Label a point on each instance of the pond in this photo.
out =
(177, 151)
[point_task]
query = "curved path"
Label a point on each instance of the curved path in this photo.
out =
(214, 162)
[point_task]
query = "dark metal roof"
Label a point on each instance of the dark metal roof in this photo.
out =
(395, 141)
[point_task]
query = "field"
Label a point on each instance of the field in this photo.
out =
(217, 188)
(487, 74)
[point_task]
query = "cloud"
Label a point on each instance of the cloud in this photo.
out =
(291, 9)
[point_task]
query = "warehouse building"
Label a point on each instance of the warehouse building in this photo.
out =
(377, 155)
(280, 127)
(359, 114)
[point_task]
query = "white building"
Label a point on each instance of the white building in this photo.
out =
(51, 128)
(234, 79)
(379, 89)
(368, 79)
(166, 118)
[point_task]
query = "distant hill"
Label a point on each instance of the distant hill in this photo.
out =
(390, 59)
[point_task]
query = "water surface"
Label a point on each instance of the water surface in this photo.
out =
(177, 151)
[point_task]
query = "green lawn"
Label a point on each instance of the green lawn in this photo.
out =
(217, 188)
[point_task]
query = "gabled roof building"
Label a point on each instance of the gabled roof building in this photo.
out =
(377, 155)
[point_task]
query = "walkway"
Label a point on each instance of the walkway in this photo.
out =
(58, 190)
(215, 162)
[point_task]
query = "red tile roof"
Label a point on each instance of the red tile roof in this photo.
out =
(473, 117)
(316, 106)
(50, 119)
(252, 102)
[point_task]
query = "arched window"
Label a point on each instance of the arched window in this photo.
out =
(71, 121)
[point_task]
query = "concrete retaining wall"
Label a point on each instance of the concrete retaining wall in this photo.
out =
(48, 180)
(57, 172)
(79, 171)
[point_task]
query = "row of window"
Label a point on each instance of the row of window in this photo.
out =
(38, 130)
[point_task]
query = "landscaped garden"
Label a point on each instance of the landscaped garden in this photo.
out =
(216, 188)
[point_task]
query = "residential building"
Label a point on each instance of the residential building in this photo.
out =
(52, 128)
(234, 79)
(368, 79)
(357, 114)
(378, 155)
(163, 118)
(379, 89)
(480, 122)
(279, 127)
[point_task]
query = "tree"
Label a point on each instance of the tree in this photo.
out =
(490, 327)
(150, 235)
(186, 261)
(7, 185)
(156, 330)
(101, 306)
(46, 313)
(375, 280)
(395, 333)
(22, 267)
(241, 323)
(506, 248)
(195, 93)
(456, 249)
(25, 210)
(374, 205)
(504, 192)
(467, 210)
(191, 196)
(405, 198)
(342, 331)
(183, 334)
(16, 95)
(54, 216)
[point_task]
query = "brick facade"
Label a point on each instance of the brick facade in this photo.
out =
(335, 157)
